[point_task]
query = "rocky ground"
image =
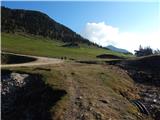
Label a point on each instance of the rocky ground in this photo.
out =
(11, 84)
(148, 83)
(150, 97)
(145, 71)
(27, 97)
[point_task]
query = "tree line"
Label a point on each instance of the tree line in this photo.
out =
(144, 51)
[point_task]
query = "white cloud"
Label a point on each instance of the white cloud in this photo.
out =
(104, 35)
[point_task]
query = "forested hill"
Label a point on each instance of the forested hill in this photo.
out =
(37, 23)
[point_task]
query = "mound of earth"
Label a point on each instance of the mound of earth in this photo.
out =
(76, 45)
(7, 58)
(144, 69)
(150, 63)
(109, 56)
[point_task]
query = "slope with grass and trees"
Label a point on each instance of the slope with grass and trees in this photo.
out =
(33, 32)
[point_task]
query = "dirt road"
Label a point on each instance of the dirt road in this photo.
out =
(39, 61)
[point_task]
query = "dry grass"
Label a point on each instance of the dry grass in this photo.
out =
(103, 90)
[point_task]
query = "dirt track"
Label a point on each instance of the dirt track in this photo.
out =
(39, 61)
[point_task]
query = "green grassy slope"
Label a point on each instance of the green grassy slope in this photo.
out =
(45, 47)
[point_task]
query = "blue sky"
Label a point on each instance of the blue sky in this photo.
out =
(130, 17)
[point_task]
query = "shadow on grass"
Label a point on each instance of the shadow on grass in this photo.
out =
(30, 102)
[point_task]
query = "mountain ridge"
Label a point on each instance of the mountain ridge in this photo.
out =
(32, 22)
(113, 48)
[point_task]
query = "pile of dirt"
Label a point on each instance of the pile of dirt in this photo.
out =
(108, 56)
(7, 58)
(149, 63)
(72, 45)
(143, 70)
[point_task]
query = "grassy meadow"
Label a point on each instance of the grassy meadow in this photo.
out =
(27, 44)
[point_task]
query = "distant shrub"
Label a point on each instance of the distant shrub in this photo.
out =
(143, 51)
(157, 51)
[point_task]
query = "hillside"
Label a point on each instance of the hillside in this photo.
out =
(40, 46)
(37, 23)
(44, 37)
